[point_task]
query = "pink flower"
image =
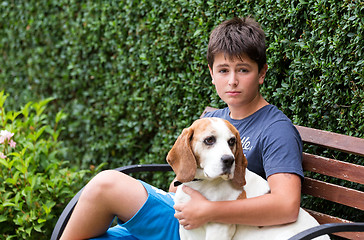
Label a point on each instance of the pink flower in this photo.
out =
(2, 139)
(6, 134)
(12, 143)
(2, 155)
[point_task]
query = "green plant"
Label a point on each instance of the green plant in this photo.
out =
(36, 183)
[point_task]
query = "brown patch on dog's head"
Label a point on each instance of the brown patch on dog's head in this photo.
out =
(181, 157)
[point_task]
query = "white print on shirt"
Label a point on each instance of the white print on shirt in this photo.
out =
(246, 143)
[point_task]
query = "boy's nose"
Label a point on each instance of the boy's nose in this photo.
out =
(232, 80)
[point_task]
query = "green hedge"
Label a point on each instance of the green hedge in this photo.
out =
(131, 74)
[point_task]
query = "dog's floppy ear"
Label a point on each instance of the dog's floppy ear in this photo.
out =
(241, 162)
(181, 157)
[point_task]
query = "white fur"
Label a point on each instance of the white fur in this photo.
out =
(215, 186)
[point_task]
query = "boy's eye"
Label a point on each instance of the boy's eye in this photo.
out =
(244, 70)
(223, 71)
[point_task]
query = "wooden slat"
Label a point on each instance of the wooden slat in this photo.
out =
(334, 168)
(331, 140)
(346, 196)
(324, 218)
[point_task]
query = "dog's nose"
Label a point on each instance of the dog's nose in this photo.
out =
(227, 161)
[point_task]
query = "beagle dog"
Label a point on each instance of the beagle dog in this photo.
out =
(208, 157)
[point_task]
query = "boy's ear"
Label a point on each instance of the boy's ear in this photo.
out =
(211, 74)
(262, 73)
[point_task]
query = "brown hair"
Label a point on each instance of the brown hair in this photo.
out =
(238, 37)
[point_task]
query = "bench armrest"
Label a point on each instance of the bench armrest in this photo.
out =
(328, 228)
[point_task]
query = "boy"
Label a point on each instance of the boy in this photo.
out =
(237, 64)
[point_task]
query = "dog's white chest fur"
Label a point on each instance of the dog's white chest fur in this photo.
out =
(219, 190)
(208, 189)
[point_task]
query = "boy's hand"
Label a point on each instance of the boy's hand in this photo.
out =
(173, 188)
(193, 213)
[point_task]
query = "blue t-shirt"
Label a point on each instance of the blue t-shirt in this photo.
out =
(271, 143)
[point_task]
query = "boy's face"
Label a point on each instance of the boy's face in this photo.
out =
(237, 81)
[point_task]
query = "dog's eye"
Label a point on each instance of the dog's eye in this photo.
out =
(232, 142)
(210, 140)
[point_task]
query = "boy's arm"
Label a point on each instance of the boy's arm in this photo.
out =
(278, 207)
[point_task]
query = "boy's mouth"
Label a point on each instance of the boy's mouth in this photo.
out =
(232, 93)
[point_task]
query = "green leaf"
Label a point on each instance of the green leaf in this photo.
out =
(11, 181)
(39, 132)
(4, 163)
(2, 98)
(12, 115)
(21, 167)
(38, 228)
(8, 204)
(40, 220)
(29, 230)
(48, 206)
(350, 35)
(3, 218)
(197, 32)
(17, 198)
(285, 85)
(60, 115)
(28, 161)
(25, 110)
(40, 106)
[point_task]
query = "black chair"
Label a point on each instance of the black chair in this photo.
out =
(305, 235)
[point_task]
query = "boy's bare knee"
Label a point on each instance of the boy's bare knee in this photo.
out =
(103, 183)
(116, 193)
(109, 184)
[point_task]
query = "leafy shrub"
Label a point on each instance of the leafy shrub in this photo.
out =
(36, 184)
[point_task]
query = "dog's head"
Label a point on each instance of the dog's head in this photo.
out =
(211, 146)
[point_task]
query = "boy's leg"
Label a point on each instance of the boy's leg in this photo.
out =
(154, 220)
(108, 194)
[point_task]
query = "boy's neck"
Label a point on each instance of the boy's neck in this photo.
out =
(243, 111)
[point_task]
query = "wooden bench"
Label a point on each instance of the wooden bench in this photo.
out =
(332, 168)
(312, 164)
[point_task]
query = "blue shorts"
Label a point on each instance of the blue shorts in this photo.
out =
(155, 219)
